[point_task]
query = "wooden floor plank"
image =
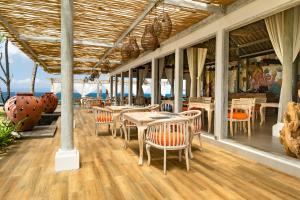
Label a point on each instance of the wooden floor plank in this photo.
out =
(109, 172)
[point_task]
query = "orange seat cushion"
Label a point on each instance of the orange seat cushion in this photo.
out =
(104, 118)
(172, 139)
(184, 108)
(238, 115)
(194, 108)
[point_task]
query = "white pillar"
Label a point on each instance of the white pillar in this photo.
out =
(98, 88)
(154, 81)
(130, 87)
(287, 63)
(122, 89)
(67, 157)
(178, 80)
(221, 84)
(111, 86)
(116, 88)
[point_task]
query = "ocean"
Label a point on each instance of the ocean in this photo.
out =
(75, 95)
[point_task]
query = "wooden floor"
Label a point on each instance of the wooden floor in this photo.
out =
(108, 172)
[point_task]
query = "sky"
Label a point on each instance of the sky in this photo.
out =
(21, 69)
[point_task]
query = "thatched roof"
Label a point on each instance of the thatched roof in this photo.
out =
(34, 26)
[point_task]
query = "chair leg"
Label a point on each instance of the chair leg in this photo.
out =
(165, 161)
(244, 127)
(187, 159)
(121, 130)
(249, 128)
(179, 156)
(190, 147)
(231, 128)
(126, 136)
(129, 128)
(96, 128)
(200, 141)
(148, 153)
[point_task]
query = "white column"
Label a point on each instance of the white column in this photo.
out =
(287, 63)
(221, 84)
(122, 89)
(116, 88)
(154, 81)
(130, 87)
(67, 157)
(178, 80)
(111, 86)
(98, 88)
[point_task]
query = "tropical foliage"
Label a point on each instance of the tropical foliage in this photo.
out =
(6, 137)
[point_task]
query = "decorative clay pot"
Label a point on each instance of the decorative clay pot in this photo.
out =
(24, 108)
(49, 101)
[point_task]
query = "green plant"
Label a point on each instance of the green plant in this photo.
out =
(6, 137)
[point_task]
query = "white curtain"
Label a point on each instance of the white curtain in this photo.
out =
(142, 76)
(89, 88)
(187, 77)
(161, 63)
(192, 59)
(169, 74)
(202, 52)
(78, 87)
(275, 26)
(296, 44)
(55, 88)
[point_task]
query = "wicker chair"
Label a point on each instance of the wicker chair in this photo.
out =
(169, 134)
(125, 126)
(154, 107)
(195, 127)
(241, 112)
(102, 116)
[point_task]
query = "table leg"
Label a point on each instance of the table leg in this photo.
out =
(209, 116)
(262, 115)
(141, 130)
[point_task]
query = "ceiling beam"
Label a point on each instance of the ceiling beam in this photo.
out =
(78, 59)
(196, 5)
(77, 68)
(269, 51)
(15, 34)
(57, 40)
(253, 43)
(140, 18)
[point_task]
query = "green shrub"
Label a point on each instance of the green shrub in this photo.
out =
(6, 137)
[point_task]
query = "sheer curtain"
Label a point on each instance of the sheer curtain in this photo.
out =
(161, 63)
(169, 74)
(55, 88)
(202, 52)
(78, 87)
(275, 27)
(192, 62)
(142, 76)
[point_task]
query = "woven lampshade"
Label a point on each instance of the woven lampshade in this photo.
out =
(157, 26)
(126, 50)
(105, 66)
(166, 27)
(135, 50)
(149, 41)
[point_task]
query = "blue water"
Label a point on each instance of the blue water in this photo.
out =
(75, 95)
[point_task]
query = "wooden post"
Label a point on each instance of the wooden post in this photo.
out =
(116, 89)
(154, 81)
(67, 157)
(130, 86)
(221, 81)
(287, 63)
(111, 86)
(34, 70)
(122, 89)
(178, 80)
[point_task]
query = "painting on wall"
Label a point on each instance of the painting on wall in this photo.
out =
(266, 78)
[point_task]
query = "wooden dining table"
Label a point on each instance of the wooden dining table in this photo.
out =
(116, 110)
(141, 119)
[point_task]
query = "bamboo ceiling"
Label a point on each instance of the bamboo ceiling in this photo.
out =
(98, 22)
